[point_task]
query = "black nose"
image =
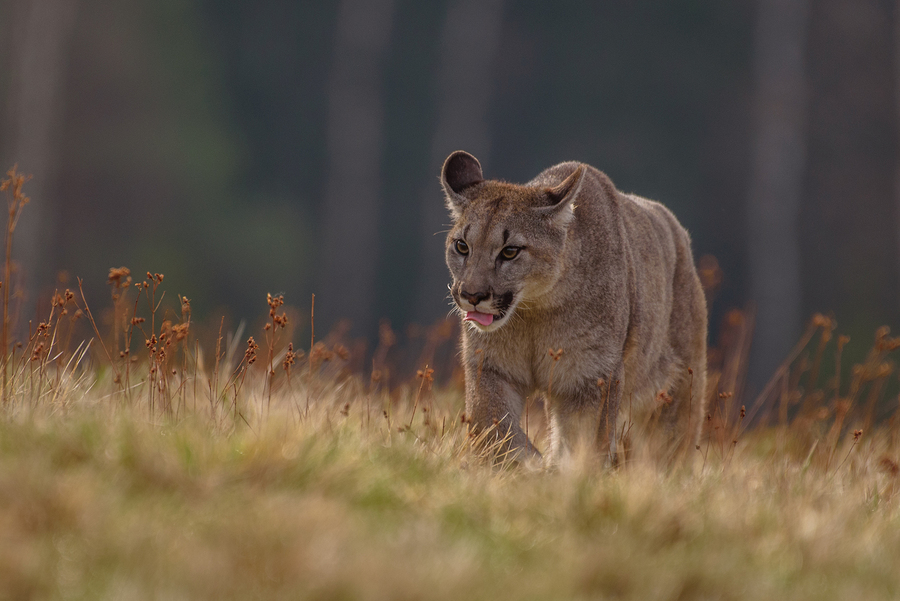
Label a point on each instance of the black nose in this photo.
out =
(475, 297)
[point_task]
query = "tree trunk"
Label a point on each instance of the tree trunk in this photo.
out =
(776, 185)
(464, 85)
(896, 65)
(849, 212)
(40, 32)
(355, 139)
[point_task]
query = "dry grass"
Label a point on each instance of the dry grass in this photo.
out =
(97, 500)
(131, 466)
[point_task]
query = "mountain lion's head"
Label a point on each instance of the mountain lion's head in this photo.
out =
(506, 245)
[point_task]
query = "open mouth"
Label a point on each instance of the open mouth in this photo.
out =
(503, 305)
(485, 319)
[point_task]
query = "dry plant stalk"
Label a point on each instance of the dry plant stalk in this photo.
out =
(425, 375)
(275, 321)
(312, 342)
(16, 201)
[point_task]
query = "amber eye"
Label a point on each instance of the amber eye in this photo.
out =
(509, 252)
(461, 247)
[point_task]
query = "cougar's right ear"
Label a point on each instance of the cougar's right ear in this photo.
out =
(561, 199)
(461, 170)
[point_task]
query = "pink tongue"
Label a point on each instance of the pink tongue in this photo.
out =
(484, 319)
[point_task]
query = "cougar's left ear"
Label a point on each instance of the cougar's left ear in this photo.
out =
(461, 170)
(560, 198)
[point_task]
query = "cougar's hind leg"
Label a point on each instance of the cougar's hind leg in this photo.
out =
(681, 419)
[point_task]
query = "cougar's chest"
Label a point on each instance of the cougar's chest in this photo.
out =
(545, 353)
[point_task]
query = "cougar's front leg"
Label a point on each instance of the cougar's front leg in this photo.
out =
(583, 420)
(610, 397)
(494, 409)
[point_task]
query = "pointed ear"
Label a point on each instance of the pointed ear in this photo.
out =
(560, 207)
(460, 171)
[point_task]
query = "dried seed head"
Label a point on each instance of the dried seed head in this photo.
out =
(117, 275)
(734, 318)
(180, 331)
(821, 321)
(288, 357)
(710, 273)
(386, 336)
(250, 353)
(883, 342)
(274, 302)
(320, 353)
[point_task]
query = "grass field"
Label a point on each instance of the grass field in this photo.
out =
(131, 467)
(100, 498)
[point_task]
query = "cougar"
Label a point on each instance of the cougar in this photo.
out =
(570, 288)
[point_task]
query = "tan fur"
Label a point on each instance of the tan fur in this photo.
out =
(607, 277)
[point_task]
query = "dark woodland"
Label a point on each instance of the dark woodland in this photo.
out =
(294, 147)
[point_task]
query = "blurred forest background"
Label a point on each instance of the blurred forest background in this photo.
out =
(294, 147)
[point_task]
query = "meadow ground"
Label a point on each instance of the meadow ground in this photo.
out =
(105, 497)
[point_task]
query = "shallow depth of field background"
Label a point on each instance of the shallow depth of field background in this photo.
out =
(294, 147)
(203, 450)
